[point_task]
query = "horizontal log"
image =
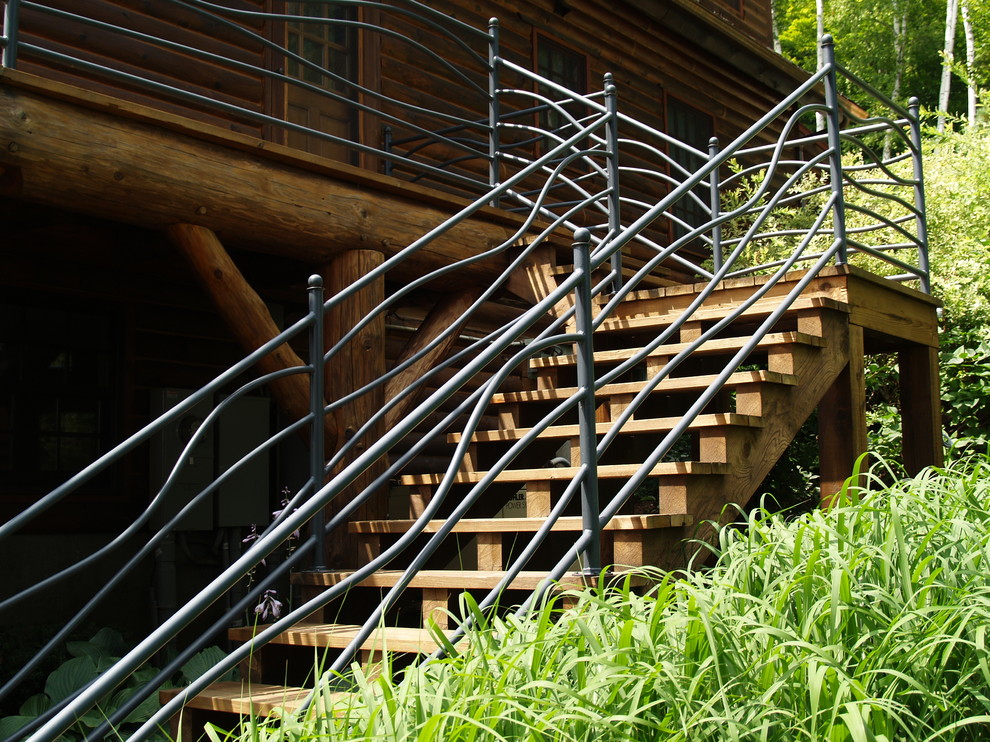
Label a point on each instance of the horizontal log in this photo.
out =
(124, 162)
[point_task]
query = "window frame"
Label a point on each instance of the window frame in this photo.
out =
(668, 103)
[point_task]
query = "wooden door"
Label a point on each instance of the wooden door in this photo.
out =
(318, 33)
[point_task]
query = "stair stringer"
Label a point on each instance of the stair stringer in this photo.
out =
(750, 457)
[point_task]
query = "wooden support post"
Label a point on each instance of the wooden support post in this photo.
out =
(548, 378)
(359, 362)
(636, 548)
(537, 499)
(245, 315)
(434, 608)
(921, 408)
(490, 551)
(691, 331)
(713, 445)
(449, 311)
(470, 460)
(535, 279)
(419, 498)
(617, 404)
(842, 420)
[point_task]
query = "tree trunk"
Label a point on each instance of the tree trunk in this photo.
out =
(246, 316)
(970, 63)
(951, 14)
(820, 31)
(900, 24)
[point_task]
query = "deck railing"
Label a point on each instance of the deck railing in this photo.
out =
(777, 197)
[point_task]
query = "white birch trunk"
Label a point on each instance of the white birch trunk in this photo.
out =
(951, 14)
(970, 63)
(820, 30)
(900, 24)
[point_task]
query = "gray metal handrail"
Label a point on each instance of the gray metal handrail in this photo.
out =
(578, 181)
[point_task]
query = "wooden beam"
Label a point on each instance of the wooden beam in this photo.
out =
(92, 156)
(535, 279)
(921, 408)
(360, 361)
(449, 311)
(246, 316)
(842, 420)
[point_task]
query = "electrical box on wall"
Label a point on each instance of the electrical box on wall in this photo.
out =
(245, 497)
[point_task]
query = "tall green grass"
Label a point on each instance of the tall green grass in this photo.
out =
(865, 622)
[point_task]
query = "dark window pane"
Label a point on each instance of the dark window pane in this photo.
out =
(695, 128)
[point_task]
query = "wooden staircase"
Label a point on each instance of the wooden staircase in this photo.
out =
(813, 357)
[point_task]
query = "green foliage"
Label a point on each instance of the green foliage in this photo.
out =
(966, 393)
(864, 32)
(957, 176)
(90, 659)
(864, 622)
(957, 179)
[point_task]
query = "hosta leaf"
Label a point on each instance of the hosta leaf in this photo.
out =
(36, 705)
(69, 677)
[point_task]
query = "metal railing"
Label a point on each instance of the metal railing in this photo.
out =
(776, 197)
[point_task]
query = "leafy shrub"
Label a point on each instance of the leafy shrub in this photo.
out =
(864, 622)
(88, 660)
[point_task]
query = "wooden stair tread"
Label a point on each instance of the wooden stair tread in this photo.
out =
(551, 474)
(454, 579)
(740, 282)
(650, 280)
(717, 312)
(649, 425)
(645, 522)
(339, 636)
(676, 384)
(718, 345)
(244, 697)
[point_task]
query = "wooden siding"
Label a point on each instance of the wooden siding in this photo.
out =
(646, 51)
(176, 68)
(652, 52)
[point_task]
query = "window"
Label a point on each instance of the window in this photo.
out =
(325, 44)
(328, 46)
(695, 128)
(567, 68)
(58, 409)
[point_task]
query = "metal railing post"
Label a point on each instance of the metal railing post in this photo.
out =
(387, 147)
(494, 176)
(835, 146)
(11, 20)
(716, 205)
(316, 394)
(587, 439)
(921, 221)
(612, 175)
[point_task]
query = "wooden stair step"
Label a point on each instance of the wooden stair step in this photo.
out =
(245, 698)
(566, 473)
(339, 636)
(451, 579)
(749, 282)
(649, 281)
(650, 425)
(645, 522)
(649, 319)
(667, 386)
(711, 347)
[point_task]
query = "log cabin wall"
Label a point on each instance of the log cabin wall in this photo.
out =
(695, 69)
(652, 52)
(648, 56)
(169, 66)
(655, 65)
